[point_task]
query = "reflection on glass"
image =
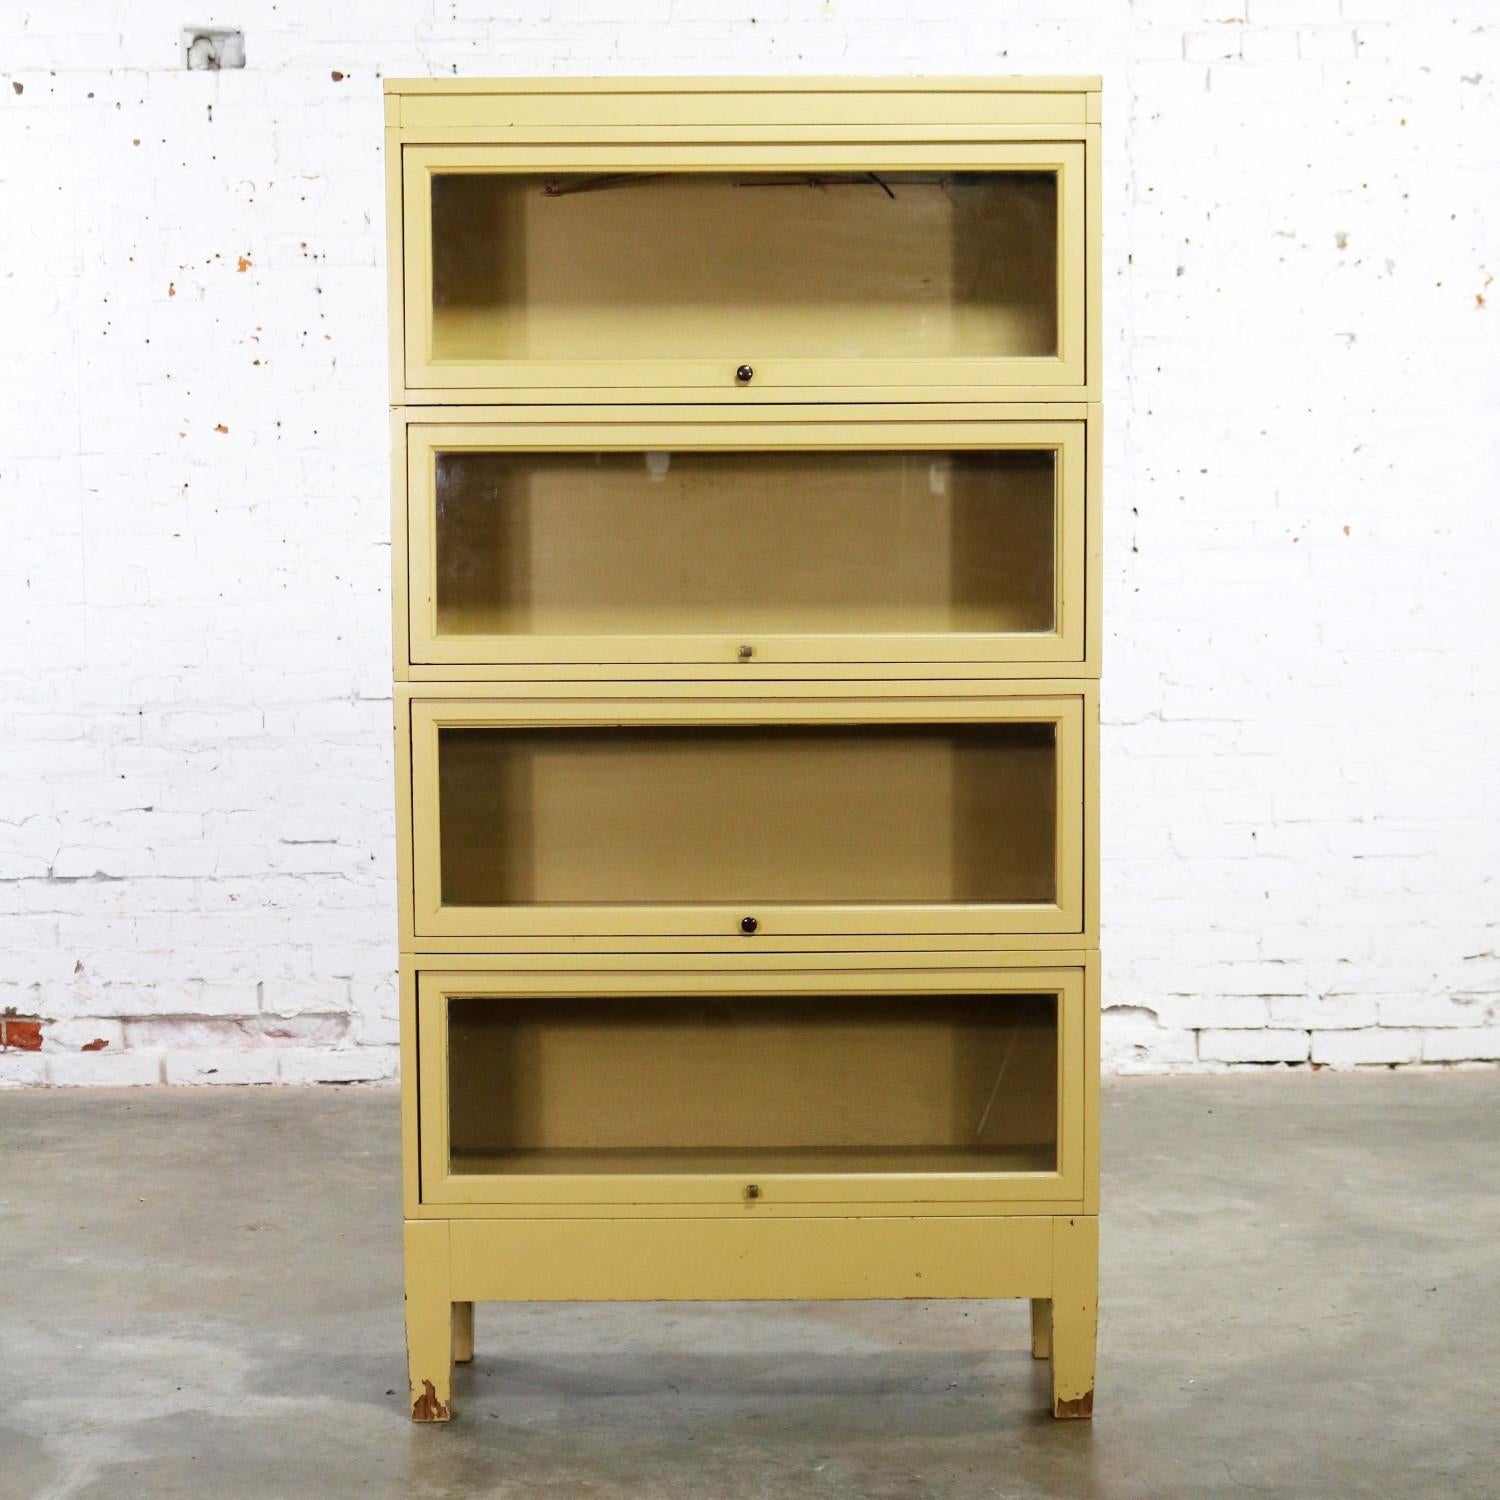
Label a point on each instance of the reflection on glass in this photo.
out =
(641, 543)
(685, 815)
(902, 265)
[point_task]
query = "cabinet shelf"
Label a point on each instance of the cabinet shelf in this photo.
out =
(744, 1164)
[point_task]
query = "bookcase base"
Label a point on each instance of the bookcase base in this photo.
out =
(1052, 1260)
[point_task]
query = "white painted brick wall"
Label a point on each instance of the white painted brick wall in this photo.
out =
(1302, 790)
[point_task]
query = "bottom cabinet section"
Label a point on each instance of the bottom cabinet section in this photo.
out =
(754, 1089)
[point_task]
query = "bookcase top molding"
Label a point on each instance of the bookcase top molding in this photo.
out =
(452, 109)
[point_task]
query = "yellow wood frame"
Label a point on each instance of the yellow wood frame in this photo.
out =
(730, 108)
(776, 378)
(575, 1240)
(645, 124)
(560, 427)
(451, 1264)
(1064, 644)
(444, 928)
(623, 973)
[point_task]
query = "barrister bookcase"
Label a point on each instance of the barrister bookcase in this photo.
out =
(746, 459)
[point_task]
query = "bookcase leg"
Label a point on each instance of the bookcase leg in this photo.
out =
(463, 1332)
(429, 1321)
(1041, 1327)
(1075, 1305)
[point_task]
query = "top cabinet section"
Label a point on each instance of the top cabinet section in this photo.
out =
(706, 243)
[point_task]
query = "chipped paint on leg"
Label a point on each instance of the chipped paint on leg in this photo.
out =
(427, 1408)
(1079, 1406)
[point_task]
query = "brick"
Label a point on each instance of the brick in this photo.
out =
(1261, 45)
(370, 1064)
(1209, 1010)
(1220, 44)
(104, 1069)
(1266, 1045)
(21, 1033)
(1372, 1045)
(1438, 1010)
(221, 1067)
(22, 1070)
(1324, 1012)
(1462, 1044)
(85, 1034)
(1326, 44)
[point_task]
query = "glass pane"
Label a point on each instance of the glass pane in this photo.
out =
(744, 543)
(754, 1084)
(902, 265)
(686, 815)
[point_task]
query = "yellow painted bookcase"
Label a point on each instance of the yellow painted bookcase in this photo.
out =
(746, 548)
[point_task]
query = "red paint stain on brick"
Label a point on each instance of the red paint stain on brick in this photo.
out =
(171, 289)
(337, 76)
(244, 264)
(20, 88)
(22, 1033)
(97, 1045)
(220, 427)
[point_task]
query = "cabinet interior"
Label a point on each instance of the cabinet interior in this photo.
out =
(684, 814)
(572, 543)
(753, 1084)
(737, 265)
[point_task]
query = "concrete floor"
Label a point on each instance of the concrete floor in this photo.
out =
(200, 1296)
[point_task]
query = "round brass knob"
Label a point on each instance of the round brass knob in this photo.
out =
(744, 374)
(748, 924)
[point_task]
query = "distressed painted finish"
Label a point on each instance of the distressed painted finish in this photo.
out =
(430, 1325)
(540, 1209)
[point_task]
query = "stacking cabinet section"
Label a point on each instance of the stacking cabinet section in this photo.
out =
(750, 819)
(755, 1087)
(711, 547)
(819, 269)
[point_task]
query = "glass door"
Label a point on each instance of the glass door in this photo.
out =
(687, 543)
(744, 271)
(668, 1089)
(743, 819)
